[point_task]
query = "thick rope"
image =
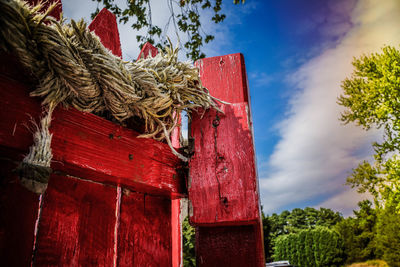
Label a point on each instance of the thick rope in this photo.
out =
(72, 67)
(34, 170)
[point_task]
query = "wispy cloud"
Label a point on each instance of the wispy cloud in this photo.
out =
(260, 79)
(344, 201)
(316, 152)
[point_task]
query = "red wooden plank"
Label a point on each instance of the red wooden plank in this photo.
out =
(105, 26)
(231, 246)
(145, 231)
(225, 77)
(18, 213)
(148, 50)
(223, 186)
(88, 146)
(176, 228)
(76, 224)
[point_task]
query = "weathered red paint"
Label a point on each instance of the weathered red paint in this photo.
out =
(76, 224)
(225, 77)
(18, 207)
(223, 188)
(176, 228)
(223, 166)
(88, 146)
(105, 26)
(147, 50)
(145, 231)
(92, 218)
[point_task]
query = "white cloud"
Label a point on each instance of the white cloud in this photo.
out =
(316, 152)
(344, 201)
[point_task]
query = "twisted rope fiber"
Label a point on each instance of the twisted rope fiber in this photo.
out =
(73, 68)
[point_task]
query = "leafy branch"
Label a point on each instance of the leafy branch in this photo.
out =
(184, 14)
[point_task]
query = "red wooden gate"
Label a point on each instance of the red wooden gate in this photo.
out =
(113, 199)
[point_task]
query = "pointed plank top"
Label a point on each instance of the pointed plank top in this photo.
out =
(105, 26)
(148, 50)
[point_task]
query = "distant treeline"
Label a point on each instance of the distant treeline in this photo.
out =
(310, 237)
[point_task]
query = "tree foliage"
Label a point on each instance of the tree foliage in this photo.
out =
(373, 233)
(188, 240)
(388, 235)
(371, 97)
(184, 17)
(294, 222)
(310, 247)
(359, 234)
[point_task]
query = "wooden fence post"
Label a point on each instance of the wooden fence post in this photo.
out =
(223, 187)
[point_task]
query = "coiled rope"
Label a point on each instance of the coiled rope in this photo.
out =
(73, 68)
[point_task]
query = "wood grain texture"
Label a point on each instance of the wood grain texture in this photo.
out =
(231, 246)
(18, 214)
(76, 224)
(176, 227)
(88, 146)
(225, 77)
(223, 186)
(145, 231)
(105, 26)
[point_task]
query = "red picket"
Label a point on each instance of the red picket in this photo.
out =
(223, 188)
(145, 231)
(76, 224)
(176, 227)
(105, 26)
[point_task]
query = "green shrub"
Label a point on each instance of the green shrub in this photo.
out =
(311, 248)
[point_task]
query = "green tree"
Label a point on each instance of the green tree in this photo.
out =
(311, 247)
(371, 97)
(295, 221)
(185, 19)
(359, 234)
(188, 240)
(388, 235)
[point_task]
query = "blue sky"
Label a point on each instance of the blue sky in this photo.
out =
(296, 54)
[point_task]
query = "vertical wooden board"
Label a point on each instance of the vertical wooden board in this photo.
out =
(105, 26)
(145, 231)
(232, 246)
(76, 224)
(223, 186)
(147, 50)
(176, 230)
(14, 118)
(18, 213)
(225, 77)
